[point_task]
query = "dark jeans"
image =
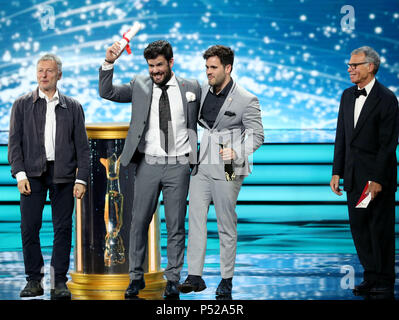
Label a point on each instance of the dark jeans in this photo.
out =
(62, 205)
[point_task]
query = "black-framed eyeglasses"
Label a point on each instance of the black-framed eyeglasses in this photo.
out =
(354, 65)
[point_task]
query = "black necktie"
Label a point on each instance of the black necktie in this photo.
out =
(358, 93)
(165, 120)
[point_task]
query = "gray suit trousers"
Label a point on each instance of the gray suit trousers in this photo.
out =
(224, 194)
(152, 178)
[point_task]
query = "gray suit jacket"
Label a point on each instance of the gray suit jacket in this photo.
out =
(238, 126)
(139, 93)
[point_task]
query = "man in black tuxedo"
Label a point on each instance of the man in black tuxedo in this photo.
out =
(365, 152)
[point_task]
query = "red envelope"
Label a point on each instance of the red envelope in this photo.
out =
(364, 199)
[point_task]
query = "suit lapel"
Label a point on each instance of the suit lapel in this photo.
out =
(226, 104)
(368, 106)
(183, 90)
(148, 94)
(350, 102)
(204, 91)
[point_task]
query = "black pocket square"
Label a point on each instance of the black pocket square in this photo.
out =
(230, 114)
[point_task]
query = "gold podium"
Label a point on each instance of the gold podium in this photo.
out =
(102, 225)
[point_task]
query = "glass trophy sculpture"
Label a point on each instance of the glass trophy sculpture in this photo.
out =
(114, 252)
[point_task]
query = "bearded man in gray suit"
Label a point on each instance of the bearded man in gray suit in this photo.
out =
(162, 142)
(231, 118)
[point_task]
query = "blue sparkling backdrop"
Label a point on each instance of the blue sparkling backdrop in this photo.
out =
(290, 53)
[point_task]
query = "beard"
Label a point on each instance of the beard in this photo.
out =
(166, 77)
(217, 81)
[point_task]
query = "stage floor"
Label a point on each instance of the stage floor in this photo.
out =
(286, 276)
(288, 260)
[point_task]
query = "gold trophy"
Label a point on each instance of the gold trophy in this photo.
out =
(228, 167)
(114, 252)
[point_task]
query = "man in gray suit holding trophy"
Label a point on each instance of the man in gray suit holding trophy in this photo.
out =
(162, 142)
(231, 118)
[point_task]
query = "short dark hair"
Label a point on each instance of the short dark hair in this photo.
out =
(159, 47)
(225, 54)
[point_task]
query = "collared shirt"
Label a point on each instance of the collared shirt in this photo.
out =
(152, 139)
(359, 102)
(152, 144)
(50, 126)
(213, 102)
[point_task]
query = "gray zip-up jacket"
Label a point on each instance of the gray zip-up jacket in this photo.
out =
(26, 150)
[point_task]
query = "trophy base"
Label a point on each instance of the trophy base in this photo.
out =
(113, 286)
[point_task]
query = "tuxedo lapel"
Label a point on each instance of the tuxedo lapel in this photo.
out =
(350, 107)
(368, 106)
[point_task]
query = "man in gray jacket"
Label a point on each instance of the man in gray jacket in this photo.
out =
(233, 130)
(162, 142)
(48, 151)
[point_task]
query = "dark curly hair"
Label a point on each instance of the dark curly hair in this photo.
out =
(159, 47)
(225, 54)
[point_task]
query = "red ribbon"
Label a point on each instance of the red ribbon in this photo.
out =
(128, 50)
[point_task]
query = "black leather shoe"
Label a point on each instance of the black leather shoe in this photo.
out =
(171, 290)
(32, 289)
(192, 283)
(60, 292)
(224, 288)
(381, 289)
(363, 287)
(134, 287)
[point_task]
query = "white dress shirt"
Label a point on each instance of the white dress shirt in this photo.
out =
(180, 133)
(50, 126)
(359, 102)
(152, 139)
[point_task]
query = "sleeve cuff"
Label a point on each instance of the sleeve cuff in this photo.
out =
(239, 160)
(21, 176)
(107, 66)
(81, 182)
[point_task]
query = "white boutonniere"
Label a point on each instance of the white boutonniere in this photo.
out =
(190, 96)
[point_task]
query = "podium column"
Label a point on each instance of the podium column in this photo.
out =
(102, 224)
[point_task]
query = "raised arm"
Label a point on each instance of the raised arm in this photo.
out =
(116, 93)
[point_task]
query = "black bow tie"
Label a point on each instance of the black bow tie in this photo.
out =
(358, 93)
